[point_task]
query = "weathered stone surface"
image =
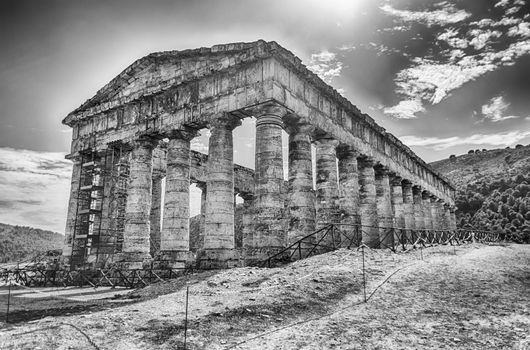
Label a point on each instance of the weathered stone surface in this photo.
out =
(156, 212)
(408, 208)
(398, 208)
(384, 207)
(368, 203)
(419, 219)
(327, 188)
(301, 196)
(270, 228)
(219, 218)
(136, 246)
(175, 229)
(349, 193)
(72, 209)
(426, 200)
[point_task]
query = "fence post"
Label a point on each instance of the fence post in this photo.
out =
(186, 318)
(8, 301)
(364, 277)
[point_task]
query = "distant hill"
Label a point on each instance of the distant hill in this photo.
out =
(18, 243)
(493, 190)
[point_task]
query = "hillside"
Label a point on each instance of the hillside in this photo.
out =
(493, 190)
(20, 242)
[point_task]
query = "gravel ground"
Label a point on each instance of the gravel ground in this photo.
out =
(476, 299)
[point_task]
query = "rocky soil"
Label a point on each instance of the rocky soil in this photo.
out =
(476, 299)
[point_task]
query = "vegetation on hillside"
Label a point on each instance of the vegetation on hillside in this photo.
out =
(20, 243)
(493, 190)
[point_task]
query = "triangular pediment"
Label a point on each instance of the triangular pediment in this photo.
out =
(158, 71)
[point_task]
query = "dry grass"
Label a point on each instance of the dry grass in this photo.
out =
(477, 299)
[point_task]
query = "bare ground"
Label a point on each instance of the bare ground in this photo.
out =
(476, 299)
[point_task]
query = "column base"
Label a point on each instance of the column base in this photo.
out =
(133, 260)
(221, 258)
(174, 259)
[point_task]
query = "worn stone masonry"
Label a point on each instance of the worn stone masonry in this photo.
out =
(133, 167)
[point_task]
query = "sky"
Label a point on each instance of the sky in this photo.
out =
(443, 76)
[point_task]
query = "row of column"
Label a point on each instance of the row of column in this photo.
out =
(351, 189)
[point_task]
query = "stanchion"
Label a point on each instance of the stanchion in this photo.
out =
(8, 301)
(186, 317)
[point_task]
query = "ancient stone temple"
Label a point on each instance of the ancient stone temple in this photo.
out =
(136, 132)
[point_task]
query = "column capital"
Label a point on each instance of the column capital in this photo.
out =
(425, 194)
(344, 151)
(365, 161)
(396, 180)
(144, 141)
(270, 113)
(301, 128)
(328, 141)
(185, 134)
(381, 170)
(226, 120)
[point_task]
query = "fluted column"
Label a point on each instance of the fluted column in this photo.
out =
(349, 195)
(175, 236)
(247, 221)
(419, 220)
(408, 209)
(136, 237)
(269, 234)
(398, 208)
(219, 239)
(368, 204)
(156, 211)
(426, 199)
(300, 196)
(327, 203)
(384, 207)
(72, 209)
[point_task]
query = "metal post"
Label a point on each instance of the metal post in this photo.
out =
(364, 277)
(186, 317)
(8, 302)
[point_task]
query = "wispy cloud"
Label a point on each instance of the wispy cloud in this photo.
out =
(326, 65)
(405, 109)
(35, 187)
(444, 14)
(438, 144)
(431, 78)
(494, 110)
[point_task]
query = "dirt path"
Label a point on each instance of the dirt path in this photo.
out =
(478, 299)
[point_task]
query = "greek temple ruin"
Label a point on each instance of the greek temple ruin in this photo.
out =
(135, 134)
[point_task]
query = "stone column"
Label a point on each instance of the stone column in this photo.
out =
(327, 201)
(434, 213)
(368, 204)
(349, 195)
(247, 221)
(447, 217)
(175, 237)
(136, 237)
(197, 238)
(398, 208)
(72, 209)
(384, 207)
(426, 200)
(300, 196)
(219, 240)
(408, 209)
(438, 208)
(452, 218)
(419, 220)
(269, 233)
(156, 211)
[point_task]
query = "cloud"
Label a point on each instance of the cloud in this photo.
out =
(482, 38)
(450, 37)
(522, 29)
(447, 14)
(34, 183)
(438, 144)
(325, 65)
(405, 109)
(494, 110)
